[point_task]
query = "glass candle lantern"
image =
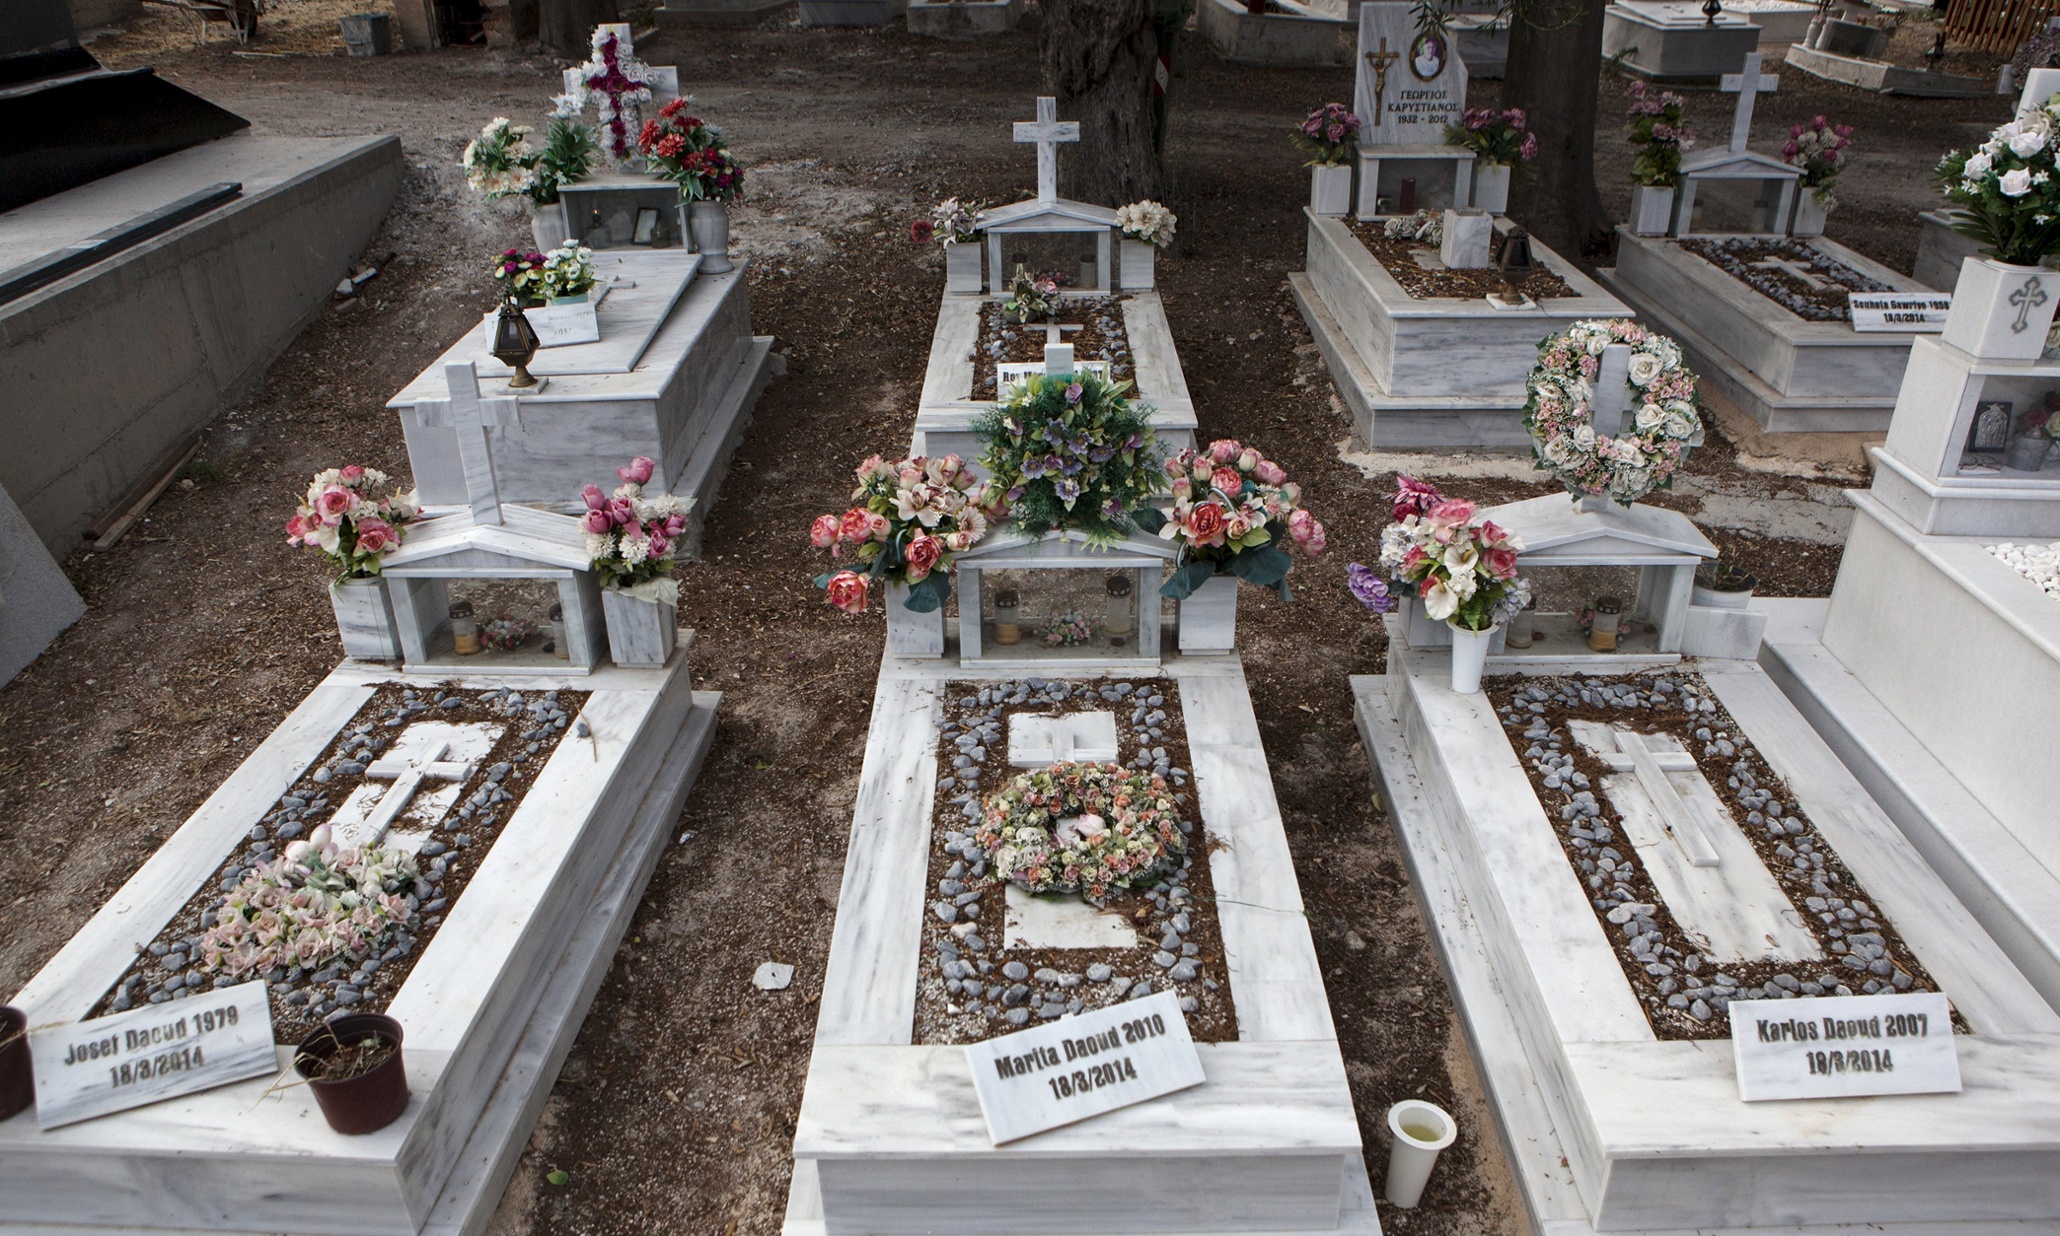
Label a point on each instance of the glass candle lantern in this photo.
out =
(1522, 629)
(464, 629)
(1602, 630)
(1121, 613)
(554, 633)
(1007, 626)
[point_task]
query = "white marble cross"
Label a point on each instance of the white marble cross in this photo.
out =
(471, 418)
(1047, 131)
(1747, 84)
(1651, 768)
(1798, 270)
(1611, 397)
(407, 776)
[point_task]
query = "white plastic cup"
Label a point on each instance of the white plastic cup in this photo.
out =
(1420, 1130)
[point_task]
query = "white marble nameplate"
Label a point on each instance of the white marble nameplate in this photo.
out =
(160, 1051)
(1838, 1047)
(1081, 1066)
(1082, 737)
(1892, 311)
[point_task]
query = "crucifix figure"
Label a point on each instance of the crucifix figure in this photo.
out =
(2026, 299)
(1380, 60)
(1794, 270)
(407, 776)
(1651, 768)
(1047, 131)
(1747, 84)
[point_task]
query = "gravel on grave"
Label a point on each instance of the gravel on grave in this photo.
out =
(1398, 258)
(969, 986)
(1735, 256)
(1686, 993)
(1102, 336)
(168, 968)
(2038, 563)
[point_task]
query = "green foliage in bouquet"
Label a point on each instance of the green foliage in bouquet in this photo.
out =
(1072, 452)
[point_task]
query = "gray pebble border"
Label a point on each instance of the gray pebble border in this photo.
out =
(999, 332)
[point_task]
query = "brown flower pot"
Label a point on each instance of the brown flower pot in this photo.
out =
(17, 1082)
(370, 1101)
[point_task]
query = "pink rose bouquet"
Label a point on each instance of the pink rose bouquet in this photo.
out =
(634, 538)
(1329, 134)
(342, 517)
(1233, 511)
(1462, 567)
(910, 516)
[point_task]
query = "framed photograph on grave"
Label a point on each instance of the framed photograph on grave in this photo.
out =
(1990, 432)
(647, 225)
(1427, 56)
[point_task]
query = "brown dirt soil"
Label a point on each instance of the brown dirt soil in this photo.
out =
(204, 629)
(1398, 257)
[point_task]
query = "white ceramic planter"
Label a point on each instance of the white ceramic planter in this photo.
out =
(641, 633)
(1710, 598)
(1420, 1131)
(364, 620)
(910, 634)
(962, 267)
(709, 222)
(1491, 187)
(2026, 452)
(2002, 312)
(1809, 214)
(1330, 189)
(1469, 658)
(1138, 259)
(1208, 617)
(1652, 209)
(548, 226)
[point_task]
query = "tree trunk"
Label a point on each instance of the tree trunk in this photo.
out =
(1098, 60)
(566, 27)
(1555, 68)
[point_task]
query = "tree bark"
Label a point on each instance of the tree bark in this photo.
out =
(1555, 68)
(1098, 60)
(566, 27)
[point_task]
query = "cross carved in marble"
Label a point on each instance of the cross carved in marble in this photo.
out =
(1799, 271)
(1047, 131)
(407, 776)
(1651, 768)
(1747, 84)
(472, 417)
(2026, 299)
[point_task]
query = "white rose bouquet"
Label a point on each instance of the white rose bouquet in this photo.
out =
(1147, 221)
(2005, 190)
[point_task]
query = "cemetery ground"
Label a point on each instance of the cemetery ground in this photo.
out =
(675, 1111)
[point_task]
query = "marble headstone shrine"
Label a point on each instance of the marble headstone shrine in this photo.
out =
(1408, 85)
(1761, 313)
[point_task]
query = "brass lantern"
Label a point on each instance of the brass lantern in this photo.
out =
(515, 344)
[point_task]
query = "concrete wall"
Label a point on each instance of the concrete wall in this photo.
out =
(103, 371)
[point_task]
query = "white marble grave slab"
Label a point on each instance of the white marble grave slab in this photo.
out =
(109, 1064)
(1732, 908)
(420, 745)
(1064, 1072)
(1060, 921)
(1039, 741)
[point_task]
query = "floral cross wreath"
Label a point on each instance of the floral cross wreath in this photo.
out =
(1664, 424)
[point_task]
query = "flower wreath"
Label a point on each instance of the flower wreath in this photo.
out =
(1664, 426)
(1085, 828)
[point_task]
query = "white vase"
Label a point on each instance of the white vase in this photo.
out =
(364, 620)
(1469, 657)
(641, 633)
(910, 634)
(1491, 187)
(548, 226)
(962, 267)
(1652, 210)
(1330, 189)
(1809, 214)
(1420, 1130)
(1712, 598)
(1208, 617)
(709, 222)
(2000, 311)
(1138, 258)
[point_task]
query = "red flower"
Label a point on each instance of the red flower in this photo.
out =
(1205, 524)
(922, 231)
(923, 554)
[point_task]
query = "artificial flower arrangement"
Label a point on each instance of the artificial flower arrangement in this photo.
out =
(1069, 629)
(1147, 221)
(1659, 133)
(691, 153)
(1818, 148)
(1079, 827)
(568, 271)
(501, 163)
(312, 904)
(1665, 424)
(1427, 226)
(951, 221)
(1031, 296)
(1329, 135)
(910, 518)
(506, 634)
(1497, 137)
(634, 539)
(1233, 512)
(521, 274)
(2007, 195)
(1072, 451)
(1463, 568)
(341, 517)
(618, 81)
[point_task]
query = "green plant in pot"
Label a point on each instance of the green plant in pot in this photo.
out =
(1030, 296)
(1723, 585)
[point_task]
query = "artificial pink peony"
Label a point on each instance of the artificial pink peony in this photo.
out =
(923, 553)
(847, 591)
(824, 532)
(597, 522)
(1228, 480)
